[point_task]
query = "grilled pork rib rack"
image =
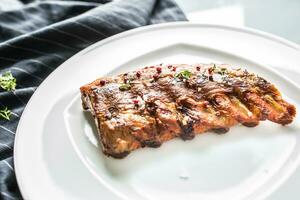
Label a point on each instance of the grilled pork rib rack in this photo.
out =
(155, 104)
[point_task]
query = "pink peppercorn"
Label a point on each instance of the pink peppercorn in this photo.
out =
(102, 82)
(169, 66)
(135, 101)
(151, 67)
(158, 69)
(174, 69)
(198, 68)
(155, 76)
(138, 74)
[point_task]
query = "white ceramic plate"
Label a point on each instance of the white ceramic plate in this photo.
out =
(243, 164)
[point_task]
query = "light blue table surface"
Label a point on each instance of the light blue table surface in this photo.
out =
(279, 17)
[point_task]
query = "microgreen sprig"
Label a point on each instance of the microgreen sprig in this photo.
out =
(7, 81)
(125, 86)
(5, 113)
(184, 74)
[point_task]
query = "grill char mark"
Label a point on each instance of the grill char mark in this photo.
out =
(138, 89)
(172, 90)
(164, 111)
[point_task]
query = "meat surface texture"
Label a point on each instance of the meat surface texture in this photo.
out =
(147, 107)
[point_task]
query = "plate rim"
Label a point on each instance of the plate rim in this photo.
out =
(20, 180)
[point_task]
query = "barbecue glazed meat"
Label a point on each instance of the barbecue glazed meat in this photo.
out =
(158, 103)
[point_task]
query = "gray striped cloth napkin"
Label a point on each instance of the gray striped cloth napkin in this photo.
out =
(37, 36)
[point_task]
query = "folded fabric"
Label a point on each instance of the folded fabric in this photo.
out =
(37, 36)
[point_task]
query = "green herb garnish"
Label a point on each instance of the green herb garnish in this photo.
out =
(184, 74)
(8, 82)
(5, 114)
(125, 86)
(223, 71)
(219, 70)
